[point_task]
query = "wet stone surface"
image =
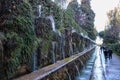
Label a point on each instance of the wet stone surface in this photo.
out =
(106, 70)
(113, 68)
(98, 71)
(87, 70)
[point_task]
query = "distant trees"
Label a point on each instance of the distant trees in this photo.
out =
(111, 35)
(112, 31)
(101, 34)
(84, 16)
(89, 18)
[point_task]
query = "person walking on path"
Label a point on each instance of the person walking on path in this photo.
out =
(110, 53)
(106, 54)
(113, 68)
(111, 71)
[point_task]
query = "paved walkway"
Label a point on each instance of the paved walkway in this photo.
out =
(109, 70)
(113, 68)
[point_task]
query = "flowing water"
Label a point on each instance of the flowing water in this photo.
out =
(87, 68)
(77, 69)
(34, 60)
(99, 67)
(61, 48)
(61, 41)
(53, 22)
(71, 50)
(68, 75)
(39, 10)
(81, 62)
(53, 51)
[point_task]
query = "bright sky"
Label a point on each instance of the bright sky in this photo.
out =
(101, 7)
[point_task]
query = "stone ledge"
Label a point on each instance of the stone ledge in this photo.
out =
(45, 71)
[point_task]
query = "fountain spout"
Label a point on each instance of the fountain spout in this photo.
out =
(68, 74)
(34, 60)
(39, 10)
(77, 69)
(53, 53)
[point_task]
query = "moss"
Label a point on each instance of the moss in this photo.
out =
(115, 47)
(17, 22)
(20, 34)
(50, 8)
(43, 28)
(59, 75)
(63, 18)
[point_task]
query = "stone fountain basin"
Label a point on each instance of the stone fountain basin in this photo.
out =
(43, 72)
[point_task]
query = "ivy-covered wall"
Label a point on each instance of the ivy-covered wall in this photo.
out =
(16, 23)
(27, 42)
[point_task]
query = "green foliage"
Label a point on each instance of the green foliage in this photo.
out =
(20, 36)
(13, 52)
(85, 18)
(73, 5)
(111, 34)
(23, 23)
(54, 10)
(68, 19)
(33, 2)
(101, 34)
(45, 47)
(63, 18)
(18, 26)
(112, 29)
(115, 47)
(16, 41)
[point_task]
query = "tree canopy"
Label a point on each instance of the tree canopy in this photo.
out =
(111, 35)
